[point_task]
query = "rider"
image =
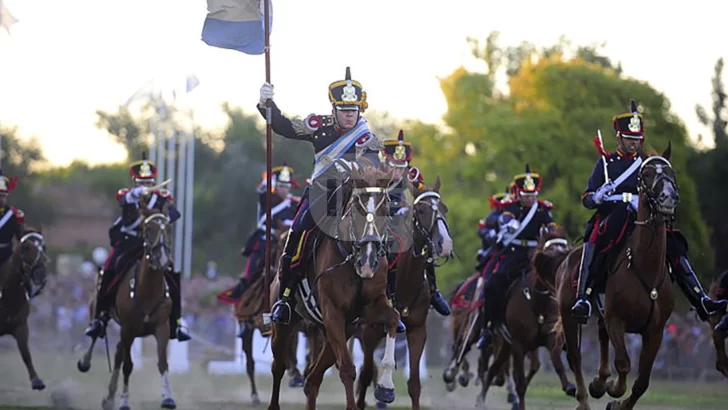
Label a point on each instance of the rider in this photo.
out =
(127, 245)
(398, 154)
(11, 218)
(488, 227)
(283, 209)
(520, 225)
(615, 201)
(344, 135)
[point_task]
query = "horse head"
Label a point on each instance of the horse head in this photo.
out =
(657, 183)
(31, 259)
(430, 218)
(365, 217)
(552, 249)
(156, 231)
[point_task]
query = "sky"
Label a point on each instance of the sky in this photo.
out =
(66, 59)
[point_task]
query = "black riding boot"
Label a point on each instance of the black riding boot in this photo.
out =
(436, 300)
(722, 326)
(97, 328)
(283, 308)
(177, 329)
(391, 281)
(582, 308)
(486, 337)
(690, 285)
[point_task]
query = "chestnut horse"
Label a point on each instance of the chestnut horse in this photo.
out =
(142, 307)
(637, 297)
(22, 277)
(721, 360)
(347, 276)
(531, 312)
(426, 230)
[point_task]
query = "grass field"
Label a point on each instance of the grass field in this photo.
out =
(196, 390)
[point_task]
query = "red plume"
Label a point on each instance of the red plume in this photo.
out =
(12, 183)
(494, 203)
(600, 147)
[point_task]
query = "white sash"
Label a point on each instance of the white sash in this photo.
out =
(325, 158)
(6, 218)
(531, 212)
(273, 212)
(626, 174)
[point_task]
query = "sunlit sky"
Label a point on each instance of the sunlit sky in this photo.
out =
(66, 59)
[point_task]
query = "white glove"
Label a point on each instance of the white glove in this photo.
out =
(512, 225)
(130, 198)
(402, 211)
(491, 234)
(635, 202)
(266, 93)
(340, 168)
(603, 192)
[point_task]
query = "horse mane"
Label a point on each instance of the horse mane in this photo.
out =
(540, 260)
(147, 212)
(369, 175)
(646, 152)
(30, 229)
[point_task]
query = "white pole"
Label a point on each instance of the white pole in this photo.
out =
(189, 200)
(180, 199)
(171, 159)
(162, 137)
(153, 143)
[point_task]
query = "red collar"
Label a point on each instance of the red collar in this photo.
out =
(625, 155)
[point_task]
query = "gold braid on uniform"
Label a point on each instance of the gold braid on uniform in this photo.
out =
(300, 126)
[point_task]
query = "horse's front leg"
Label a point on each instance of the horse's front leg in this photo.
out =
(573, 355)
(161, 333)
(295, 378)
(371, 334)
(598, 386)
(311, 386)
(21, 338)
(416, 338)
(651, 342)
(380, 312)
(615, 329)
(502, 357)
(127, 342)
(279, 346)
(108, 402)
(335, 324)
(247, 338)
(555, 353)
(721, 360)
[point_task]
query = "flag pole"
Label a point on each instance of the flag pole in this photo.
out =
(268, 143)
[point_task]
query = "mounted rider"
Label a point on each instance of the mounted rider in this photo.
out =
(337, 138)
(398, 154)
(488, 227)
(612, 192)
(127, 247)
(283, 209)
(12, 222)
(519, 227)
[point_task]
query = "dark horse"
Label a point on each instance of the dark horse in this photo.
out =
(348, 277)
(721, 360)
(427, 231)
(531, 312)
(142, 308)
(637, 297)
(249, 313)
(22, 277)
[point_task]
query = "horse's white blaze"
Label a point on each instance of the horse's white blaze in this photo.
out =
(446, 239)
(367, 270)
(166, 392)
(387, 364)
(164, 258)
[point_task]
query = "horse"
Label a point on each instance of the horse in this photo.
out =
(635, 298)
(22, 277)
(531, 311)
(721, 359)
(348, 274)
(249, 314)
(142, 308)
(428, 232)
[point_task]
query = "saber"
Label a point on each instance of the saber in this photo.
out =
(156, 187)
(604, 159)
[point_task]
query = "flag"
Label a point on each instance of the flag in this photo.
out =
(191, 83)
(6, 19)
(147, 91)
(236, 25)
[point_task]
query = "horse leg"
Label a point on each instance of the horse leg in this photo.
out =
(247, 339)
(615, 328)
(464, 374)
(573, 356)
(384, 391)
(416, 338)
(108, 402)
(84, 363)
(502, 356)
(598, 386)
(161, 333)
(334, 322)
(534, 365)
(127, 369)
(295, 378)
(721, 360)
(651, 342)
(370, 337)
(279, 340)
(326, 359)
(555, 353)
(505, 373)
(518, 356)
(21, 339)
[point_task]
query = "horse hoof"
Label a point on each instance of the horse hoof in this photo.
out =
(476, 383)
(464, 380)
(381, 405)
(570, 390)
(107, 404)
(295, 381)
(255, 400)
(124, 407)
(169, 403)
(499, 381)
(384, 394)
(479, 402)
(448, 376)
(83, 367)
(613, 405)
(450, 387)
(611, 390)
(37, 384)
(515, 406)
(512, 398)
(594, 391)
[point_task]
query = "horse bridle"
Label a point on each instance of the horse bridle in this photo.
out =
(369, 225)
(149, 247)
(437, 216)
(26, 269)
(650, 190)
